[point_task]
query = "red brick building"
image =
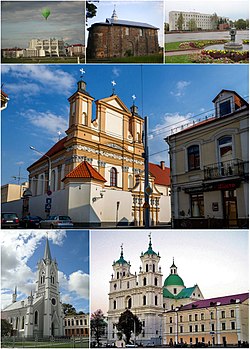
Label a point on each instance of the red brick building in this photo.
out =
(120, 38)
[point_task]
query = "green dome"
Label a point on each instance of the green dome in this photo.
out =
(150, 250)
(121, 260)
(173, 280)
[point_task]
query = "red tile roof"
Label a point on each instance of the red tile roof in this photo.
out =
(85, 170)
(226, 300)
(52, 151)
(4, 94)
(162, 176)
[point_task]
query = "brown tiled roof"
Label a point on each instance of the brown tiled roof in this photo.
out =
(52, 151)
(4, 94)
(85, 170)
(162, 177)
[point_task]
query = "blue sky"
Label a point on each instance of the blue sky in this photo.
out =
(218, 261)
(20, 252)
(38, 107)
(23, 21)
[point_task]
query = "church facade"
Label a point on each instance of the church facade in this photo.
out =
(120, 38)
(145, 294)
(39, 315)
(95, 174)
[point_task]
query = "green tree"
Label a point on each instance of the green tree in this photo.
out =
(240, 24)
(192, 26)
(214, 21)
(6, 328)
(166, 28)
(91, 9)
(97, 325)
(180, 21)
(68, 309)
(128, 323)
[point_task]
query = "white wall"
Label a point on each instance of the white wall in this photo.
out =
(165, 209)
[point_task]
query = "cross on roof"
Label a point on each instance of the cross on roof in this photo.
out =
(82, 71)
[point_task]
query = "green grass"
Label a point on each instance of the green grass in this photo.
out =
(59, 60)
(132, 59)
(179, 59)
(174, 46)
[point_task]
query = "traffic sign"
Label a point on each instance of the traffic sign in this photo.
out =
(47, 206)
(48, 200)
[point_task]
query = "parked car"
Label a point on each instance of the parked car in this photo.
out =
(30, 221)
(9, 220)
(56, 222)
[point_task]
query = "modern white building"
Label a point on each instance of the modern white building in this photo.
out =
(39, 315)
(202, 21)
(45, 48)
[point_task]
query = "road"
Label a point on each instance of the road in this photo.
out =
(240, 35)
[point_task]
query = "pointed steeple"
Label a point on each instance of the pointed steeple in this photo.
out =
(121, 260)
(173, 268)
(114, 15)
(150, 249)
(47, 254)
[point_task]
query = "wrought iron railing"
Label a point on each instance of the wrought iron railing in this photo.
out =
(231, 168)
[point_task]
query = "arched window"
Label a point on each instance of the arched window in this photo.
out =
(41, 184)
(84, 118)
(156, 300)
(130, 181)
(144, 300)
(53, 180)
(225, 145)
(156, 281)
(144, 281)
(130, 303)
(146, 267)
(113, 177)
(153, 267)
(115, 286)
(17, 323)
(22, 322)
(128, 284)
(193, 153)
(117, 275)
(36, 318)
(114, 304)
(68, 322)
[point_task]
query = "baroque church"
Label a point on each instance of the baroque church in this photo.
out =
(145, 294)
(119, 38)
(39, 315)
(95, 175)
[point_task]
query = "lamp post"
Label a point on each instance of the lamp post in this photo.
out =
(49, 165)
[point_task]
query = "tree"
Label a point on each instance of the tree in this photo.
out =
(97, 325)
(240, 24)
(180, 21)
(214, 21)
(68, 309)
(192, 26)
(128, 324)
(6, 328)
(90, 9)
(166, 28)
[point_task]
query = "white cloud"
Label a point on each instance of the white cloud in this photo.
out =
(47, 121)
(17, 249)
(170, 123)
(43, 78)
(180, 88)
(116, 72)
(79, 283)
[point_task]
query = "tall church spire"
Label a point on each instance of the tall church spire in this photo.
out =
(47, 254)
(114, 15)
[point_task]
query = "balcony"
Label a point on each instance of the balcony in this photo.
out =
(225, 169)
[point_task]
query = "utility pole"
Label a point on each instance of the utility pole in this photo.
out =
(147, 189)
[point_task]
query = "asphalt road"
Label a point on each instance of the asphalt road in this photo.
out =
(240, 35)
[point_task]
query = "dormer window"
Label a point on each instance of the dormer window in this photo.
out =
(225, 108)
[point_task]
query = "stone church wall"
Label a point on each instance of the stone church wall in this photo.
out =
(107, 41)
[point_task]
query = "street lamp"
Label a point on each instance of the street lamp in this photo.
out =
(49, 164)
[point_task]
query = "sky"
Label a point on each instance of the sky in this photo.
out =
(168, 94)
(137, 11)
(232, 9)
(20, 252)
(23, 21)
(215, 260)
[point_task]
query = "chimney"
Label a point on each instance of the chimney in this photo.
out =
(163, 165)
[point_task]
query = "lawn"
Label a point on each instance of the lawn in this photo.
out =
(175, 46)
(59, 60)
(179, 59)
(132, 59)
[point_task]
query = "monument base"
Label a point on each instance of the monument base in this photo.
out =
(231, 45)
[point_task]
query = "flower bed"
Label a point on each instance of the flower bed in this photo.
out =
(234, 56)
(245, 42)
(199, 44)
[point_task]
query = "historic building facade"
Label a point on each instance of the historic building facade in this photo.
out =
(170, 312)
(216, 321)
(119, 38)
(209, 167)
(95, 174)
(76, 325)
(39, 315)
(146, 296)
